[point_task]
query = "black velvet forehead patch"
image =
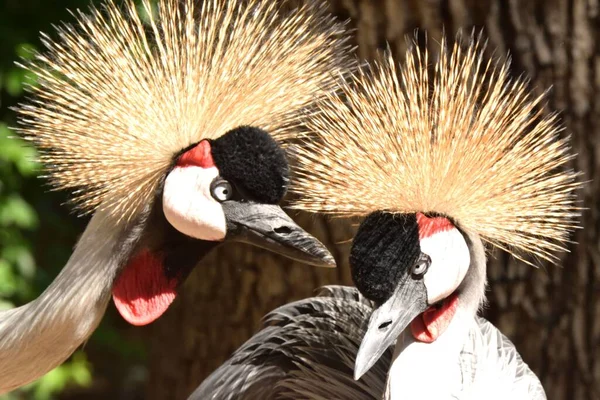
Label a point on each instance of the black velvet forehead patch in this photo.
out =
(384, 247)
(254, 162)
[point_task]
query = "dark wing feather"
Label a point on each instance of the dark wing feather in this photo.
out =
(305, 351)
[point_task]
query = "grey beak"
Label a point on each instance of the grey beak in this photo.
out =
(269, 227)
(388, 321)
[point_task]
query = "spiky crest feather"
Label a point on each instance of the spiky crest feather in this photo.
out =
(117, 99)
(463, 139)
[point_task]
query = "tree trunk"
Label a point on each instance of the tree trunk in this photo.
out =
(551, 314)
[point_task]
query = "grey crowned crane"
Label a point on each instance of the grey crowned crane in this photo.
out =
(439, 158)
(168, 124)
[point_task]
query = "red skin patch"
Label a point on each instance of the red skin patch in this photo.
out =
(430, 226)
(142, 293)
(428, 326)
(199, 156)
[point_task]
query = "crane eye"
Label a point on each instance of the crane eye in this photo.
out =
(222, 191)
(421, 266)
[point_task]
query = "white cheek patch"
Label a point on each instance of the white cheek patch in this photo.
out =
(450, 261)
(189, 206)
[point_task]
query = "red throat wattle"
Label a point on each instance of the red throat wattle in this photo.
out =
(429, 325)
(142, 293)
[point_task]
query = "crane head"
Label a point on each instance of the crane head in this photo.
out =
(224, 189)
(411, 266)
(451, 133)
(229, 188)
(155, 114)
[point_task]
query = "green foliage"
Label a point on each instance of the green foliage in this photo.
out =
(17, 265)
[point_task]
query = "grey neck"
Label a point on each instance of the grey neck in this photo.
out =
(40, 335)
(472, 288)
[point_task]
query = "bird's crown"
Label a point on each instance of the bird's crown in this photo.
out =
(456, 137)
(122, 90)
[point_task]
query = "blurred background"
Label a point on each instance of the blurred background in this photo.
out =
(552, 313)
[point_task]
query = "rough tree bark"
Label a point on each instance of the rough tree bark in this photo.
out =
(552, 314)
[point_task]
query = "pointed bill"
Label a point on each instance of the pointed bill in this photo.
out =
(388, 321)
(269, 227)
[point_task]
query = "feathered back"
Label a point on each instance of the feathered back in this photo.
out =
(457, 137)
(117, 99)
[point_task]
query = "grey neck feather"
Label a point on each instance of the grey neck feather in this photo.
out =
(40, 335)
(472, 289)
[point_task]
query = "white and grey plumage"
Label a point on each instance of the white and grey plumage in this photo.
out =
(167, 122)
(305, 351)
(440, 157)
